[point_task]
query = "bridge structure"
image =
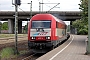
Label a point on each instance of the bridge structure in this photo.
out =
(23, 16)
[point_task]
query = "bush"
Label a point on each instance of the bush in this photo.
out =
(83, 31)
(7, 52)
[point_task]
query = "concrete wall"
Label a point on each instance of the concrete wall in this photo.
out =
(10, 26)
(19, 26)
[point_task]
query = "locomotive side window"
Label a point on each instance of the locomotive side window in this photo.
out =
(59, 25)
(41, 24)
(56, 24)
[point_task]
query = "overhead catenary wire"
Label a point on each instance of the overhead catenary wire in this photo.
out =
(23, 10)
(48, 0)
(53, 7)
(47, 5)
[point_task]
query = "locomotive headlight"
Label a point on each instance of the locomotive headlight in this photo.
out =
(48, 37)
(33, 38)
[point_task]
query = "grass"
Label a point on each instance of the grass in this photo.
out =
(6, 35)
(7, 52)
(10, 35)
(23, 52)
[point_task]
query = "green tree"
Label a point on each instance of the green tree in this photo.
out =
(26, 28)
(5, 26)
(68, 28)
(0, 23)
(84, 9)
(82, 24)
(0, 26)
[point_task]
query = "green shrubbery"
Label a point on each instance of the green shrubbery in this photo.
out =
(82, 24)
(7, 52)
(83, 32)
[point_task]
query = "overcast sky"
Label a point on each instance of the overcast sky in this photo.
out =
(65, 5)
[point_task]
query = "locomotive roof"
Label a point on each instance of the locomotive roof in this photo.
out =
(49, 16)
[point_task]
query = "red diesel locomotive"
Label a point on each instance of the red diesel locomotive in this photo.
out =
(45, 32)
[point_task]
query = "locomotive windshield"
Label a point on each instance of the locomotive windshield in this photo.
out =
(41, 24)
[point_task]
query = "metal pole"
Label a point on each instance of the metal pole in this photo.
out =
(42, 5)
(88, 44)
(39, 7)
(0, 27)
(16, 27)
(31, 10)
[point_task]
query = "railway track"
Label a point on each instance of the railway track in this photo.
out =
(29, 57)
(9, 38)
(10, 42)
(33, 56)
(22, 46)
(12, 39)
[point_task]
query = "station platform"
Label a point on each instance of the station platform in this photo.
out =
(73, 49)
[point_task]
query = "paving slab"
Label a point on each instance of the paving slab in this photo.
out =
(73, 49)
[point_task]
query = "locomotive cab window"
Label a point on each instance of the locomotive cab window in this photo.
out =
(41, 24)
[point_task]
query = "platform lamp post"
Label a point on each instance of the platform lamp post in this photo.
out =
(16, 3)
(88, 43)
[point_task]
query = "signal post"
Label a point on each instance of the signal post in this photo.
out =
(16, 3)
